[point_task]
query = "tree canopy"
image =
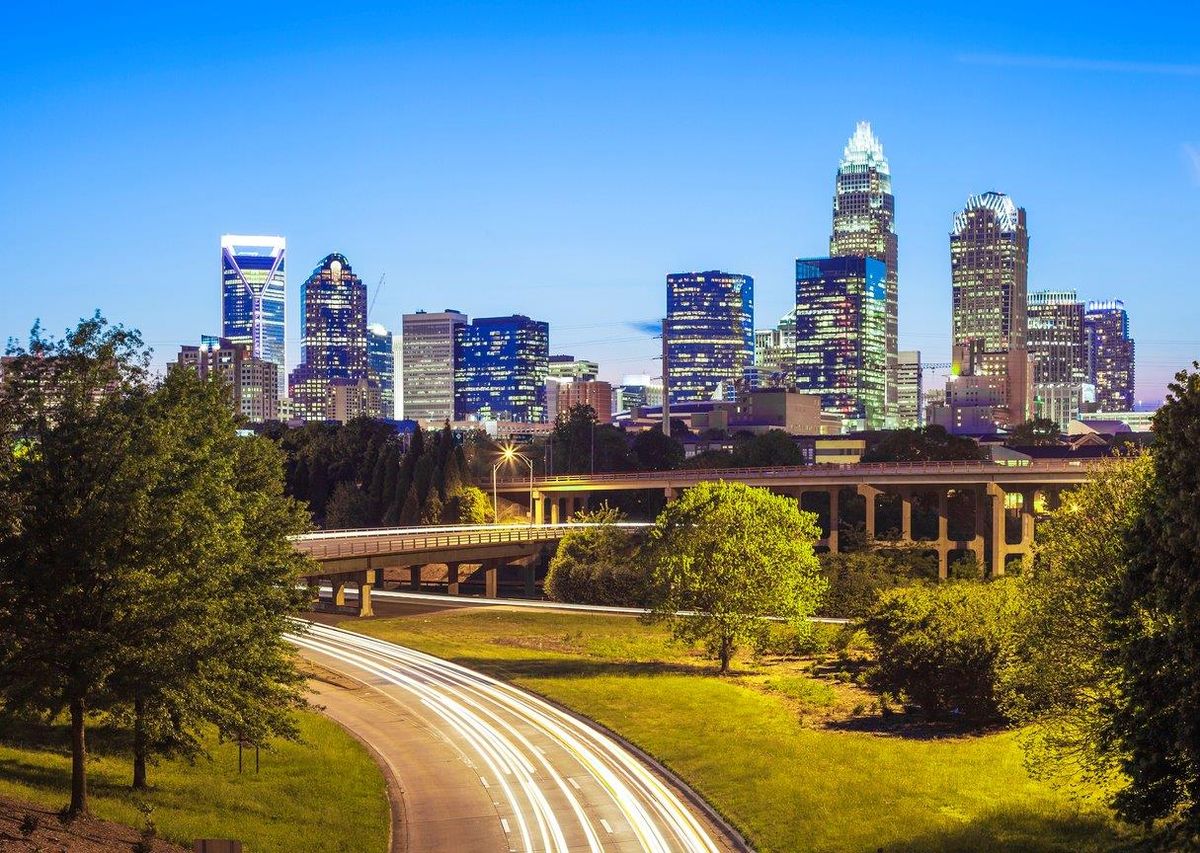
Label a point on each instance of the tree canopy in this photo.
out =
(1038, 432)
(598, 564)
(735, 555)
(926, 444)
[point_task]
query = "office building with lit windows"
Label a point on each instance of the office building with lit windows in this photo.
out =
(841, 336)
(710, 335)
(910, 391)
(381, 367)
(254, 296)
(1110, 355)
(864, 212)
(989, 268)
(427, 365)
(333, 308)
(253, 383)
(1058, 355)
(500, 369)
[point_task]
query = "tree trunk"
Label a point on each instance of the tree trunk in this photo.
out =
(139, 743)
(79, 799)
(726, 650)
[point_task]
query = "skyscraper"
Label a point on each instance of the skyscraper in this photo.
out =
(841, 336)
(710, 334)
(989, 264)
(864, 213)
(427, 365)
(1058, 356)
(910, 391)
(500, 368)
(333, 306)
(381, 363)
(1110, 355)
(253, 382)
(254, 296)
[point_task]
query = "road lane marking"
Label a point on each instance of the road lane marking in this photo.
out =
(573, 782)
(604, 824)
(504, 823)
(484, 781)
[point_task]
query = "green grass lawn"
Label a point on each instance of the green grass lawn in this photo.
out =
(762, 745)
(323, 794)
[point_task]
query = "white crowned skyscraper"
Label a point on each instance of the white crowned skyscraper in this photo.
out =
(253, 296)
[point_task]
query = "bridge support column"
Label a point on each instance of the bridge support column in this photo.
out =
(414, 578)
(1028, 496)
(831, 537)
(365, 580)
(670, 493)
(554, 510)
(978, 543)
(339, 591)
(999, 545)
(869, 494)
(452, 578)
(539, 508)
(530, 576)
(491, 578)
(943, 533)
(906, 515)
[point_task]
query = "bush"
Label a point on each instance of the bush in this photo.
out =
(856, 578)
(598, 565)
(943, 647)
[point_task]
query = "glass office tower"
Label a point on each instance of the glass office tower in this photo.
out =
(864, 212)
(1110, 355)
(841, 336)
(333, 308)
(381, 364)
(500, 369)
(1058, 354)
(254, 296)
(710, 335)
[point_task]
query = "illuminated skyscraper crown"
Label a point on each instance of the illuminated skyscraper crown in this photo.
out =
(864, 150)
(1000, 204)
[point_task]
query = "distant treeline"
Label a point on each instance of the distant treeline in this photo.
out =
(362, 474)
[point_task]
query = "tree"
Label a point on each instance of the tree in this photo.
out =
(857, 578)
(774, 447)
(735, 555)
(1061, 683)
(927, 444)
(348, 508)
(598, 564)
(1038, 432)
(1156, 626)
(943, 647)
(573, 439)
(654, 451)
(469, 506)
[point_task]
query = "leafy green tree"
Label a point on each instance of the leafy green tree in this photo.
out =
(734, 555)
(942, 647)
(598, 565)
(774, 447)
(654, 451)
(1038, 432)
(927, 444)
(468, 506)
(710, 460)
(1061, 682)
(348, 508)
(573, 440)
(1156, 613)
(857, 578)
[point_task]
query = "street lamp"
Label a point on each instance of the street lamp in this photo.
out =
(508, 453)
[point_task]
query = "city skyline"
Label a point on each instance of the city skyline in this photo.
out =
(499, 198)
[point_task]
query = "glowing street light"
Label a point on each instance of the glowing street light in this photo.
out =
(508, 453)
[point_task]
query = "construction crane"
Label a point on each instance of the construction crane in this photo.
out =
(378, 287)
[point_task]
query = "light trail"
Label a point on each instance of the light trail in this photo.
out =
(534, 753)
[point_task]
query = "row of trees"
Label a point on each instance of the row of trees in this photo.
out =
(145, 569)
(362, 474)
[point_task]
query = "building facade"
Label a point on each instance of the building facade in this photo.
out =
(500, 369)
(561, 396)
(989, 263)
(381, 367)
(333, 306)
(864, 212)
(1110, 355)
(572, 368)
(710, 335)
(253, 382)
(910, 390)
(427, 365)
(1058, 354)
(841, 336)
(254, 297)
(352, 398)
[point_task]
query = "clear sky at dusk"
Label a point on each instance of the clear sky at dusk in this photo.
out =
(558, 160)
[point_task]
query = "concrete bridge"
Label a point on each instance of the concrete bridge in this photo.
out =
(1001, 499)
(360, 558)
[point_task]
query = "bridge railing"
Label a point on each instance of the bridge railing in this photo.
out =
(360, 542)
(813, 471)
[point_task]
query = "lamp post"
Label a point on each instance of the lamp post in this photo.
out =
(507, 454)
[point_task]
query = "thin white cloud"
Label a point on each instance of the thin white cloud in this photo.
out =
(1191, 156)
(1068, 63)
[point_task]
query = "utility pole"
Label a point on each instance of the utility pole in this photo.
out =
(666, 406)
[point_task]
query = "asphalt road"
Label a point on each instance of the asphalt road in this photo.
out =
(485, 766)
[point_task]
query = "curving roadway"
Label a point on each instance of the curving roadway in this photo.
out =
(486, 766)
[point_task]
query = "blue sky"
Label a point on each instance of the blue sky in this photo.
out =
(560, 159)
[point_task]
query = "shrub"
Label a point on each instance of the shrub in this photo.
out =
(942, 647)
(856, 578)
(598, 565)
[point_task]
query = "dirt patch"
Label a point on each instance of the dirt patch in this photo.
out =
(34, 828)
